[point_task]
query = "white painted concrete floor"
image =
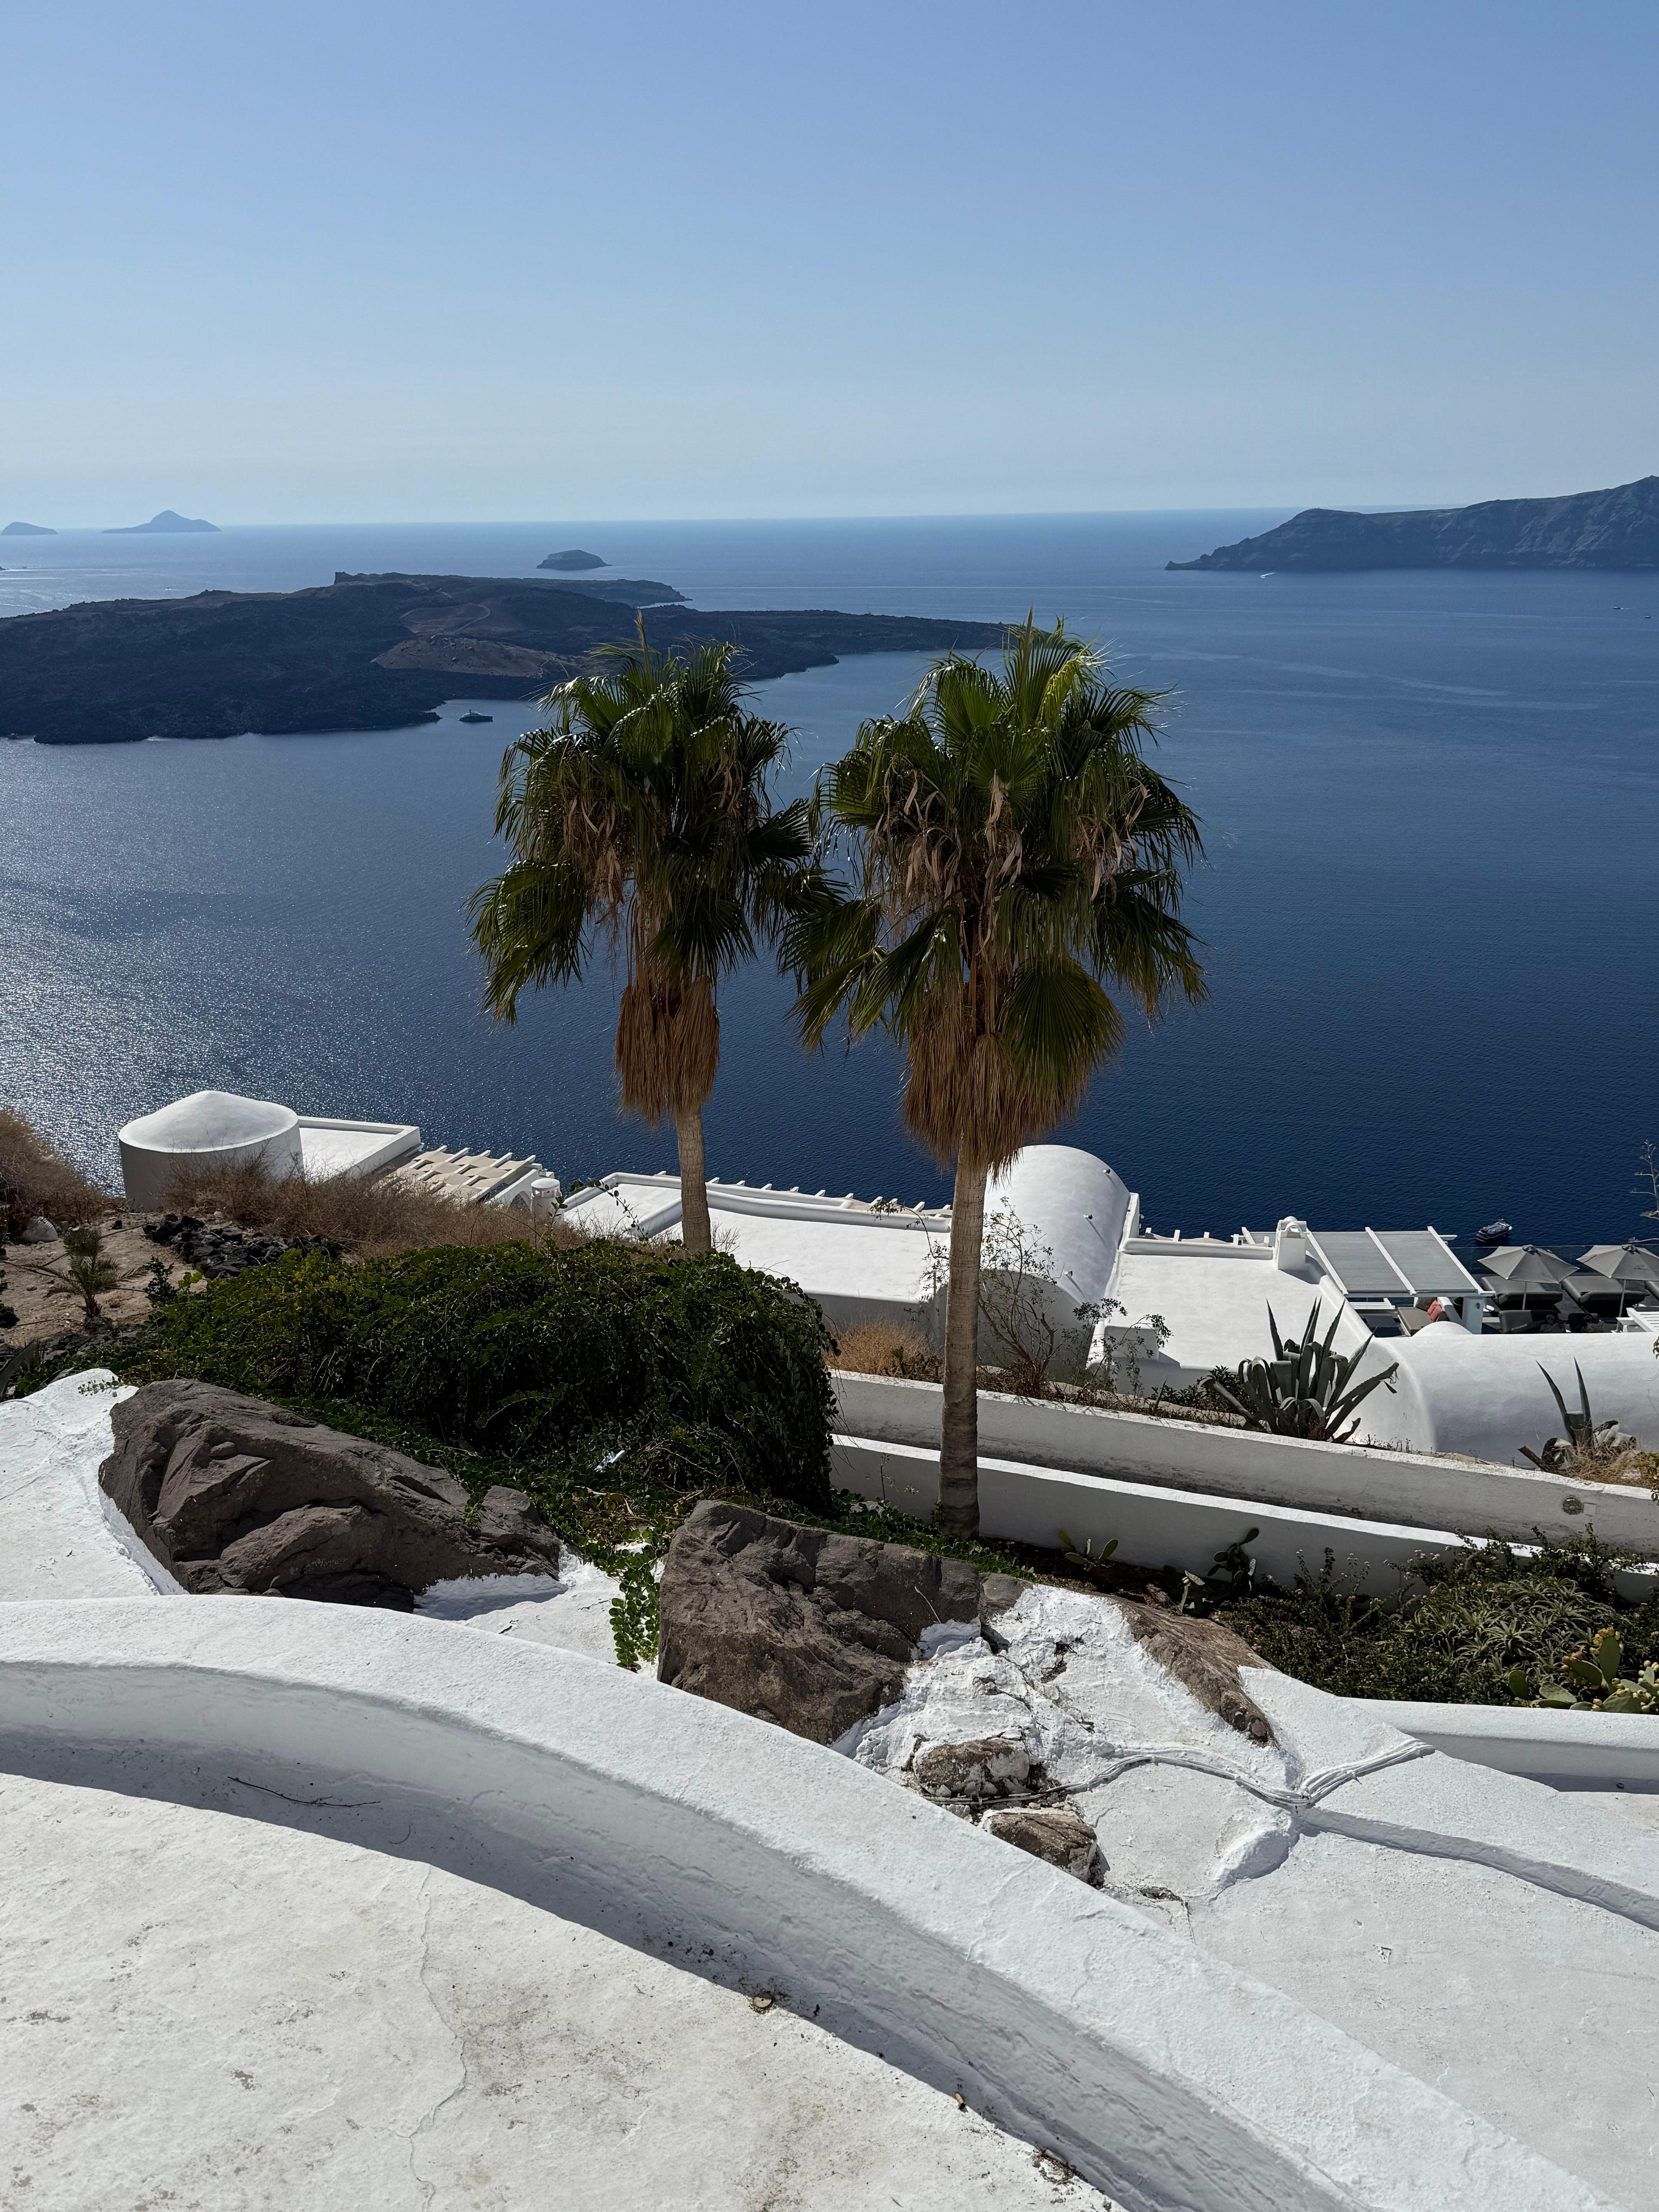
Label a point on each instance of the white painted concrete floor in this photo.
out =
(204, 2012)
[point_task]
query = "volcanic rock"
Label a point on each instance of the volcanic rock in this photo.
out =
(1205, 1656)
(233, 1495)
(978, 1771)
(379, 651)
(800, 1626)
(1050, 1832)
(218, 1248)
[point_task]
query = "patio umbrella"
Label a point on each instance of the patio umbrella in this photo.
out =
(1632, 1266)
(1526, 1267)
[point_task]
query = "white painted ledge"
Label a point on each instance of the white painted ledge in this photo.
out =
(1409, 1489)
(1173, 2081)
(1154, 1524)
(1567, 1749)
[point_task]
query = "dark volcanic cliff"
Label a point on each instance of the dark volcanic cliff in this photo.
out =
(1616, 529)
(370, 652)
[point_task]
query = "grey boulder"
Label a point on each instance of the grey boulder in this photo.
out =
(231, 1494)
(805, 1627)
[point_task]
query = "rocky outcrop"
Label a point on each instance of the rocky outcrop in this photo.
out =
(1615, 528)
(809, 1629)
(572, 560)
(816, 1631)
(233, 1495)
(375, 653)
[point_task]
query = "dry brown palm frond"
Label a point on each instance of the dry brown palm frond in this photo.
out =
(668, 1043)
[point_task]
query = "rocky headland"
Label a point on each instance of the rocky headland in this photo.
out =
(373, 653)
(1615, 528)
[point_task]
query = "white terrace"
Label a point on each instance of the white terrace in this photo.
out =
(1458, 1386)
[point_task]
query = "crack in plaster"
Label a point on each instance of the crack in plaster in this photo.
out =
(429, 2120)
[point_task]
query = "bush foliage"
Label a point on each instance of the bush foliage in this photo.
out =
(1464, 1621)
(35, 1179)
(606, 1360)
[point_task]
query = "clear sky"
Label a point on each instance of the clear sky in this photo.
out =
(496, 260)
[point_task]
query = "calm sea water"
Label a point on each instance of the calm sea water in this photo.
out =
(1429, 901)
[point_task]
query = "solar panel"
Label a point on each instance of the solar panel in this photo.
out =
(1425, 1260)
(1358, 1265)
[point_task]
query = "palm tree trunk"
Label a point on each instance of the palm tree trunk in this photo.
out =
(695, 1236)
(958, 1456)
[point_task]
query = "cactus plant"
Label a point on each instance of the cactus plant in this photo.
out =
(1591, 1682)
(1306, 1389)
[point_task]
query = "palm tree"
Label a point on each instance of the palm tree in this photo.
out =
(1018, 857)
(642, 812)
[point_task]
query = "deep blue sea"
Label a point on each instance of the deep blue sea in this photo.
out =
(1430, 899)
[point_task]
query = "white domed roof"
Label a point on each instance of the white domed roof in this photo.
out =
(1072, 1202)
(210, 1122)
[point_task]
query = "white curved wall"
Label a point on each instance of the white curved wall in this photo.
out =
(1174, 2081)
(208, 1129)
(1485, 1394)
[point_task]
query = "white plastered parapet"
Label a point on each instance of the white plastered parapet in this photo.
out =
(1172, 2080)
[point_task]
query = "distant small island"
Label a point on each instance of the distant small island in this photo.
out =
(26, 530)
(376, 653)
(1615, 528)
(572, 561)
(165, 520)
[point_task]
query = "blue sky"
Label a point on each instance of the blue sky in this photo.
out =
(417, 262)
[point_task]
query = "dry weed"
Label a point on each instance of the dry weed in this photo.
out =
(1630, 1465)
(883, 1348)
(35, 1179)
(376, 1219)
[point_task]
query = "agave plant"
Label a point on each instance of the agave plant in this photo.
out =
(1586, 1441)
(1306, 1389)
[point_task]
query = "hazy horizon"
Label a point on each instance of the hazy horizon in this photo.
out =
(600, 522)
(392, 262)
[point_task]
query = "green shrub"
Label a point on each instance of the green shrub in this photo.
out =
(606, 1361)
(1464, 1621)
